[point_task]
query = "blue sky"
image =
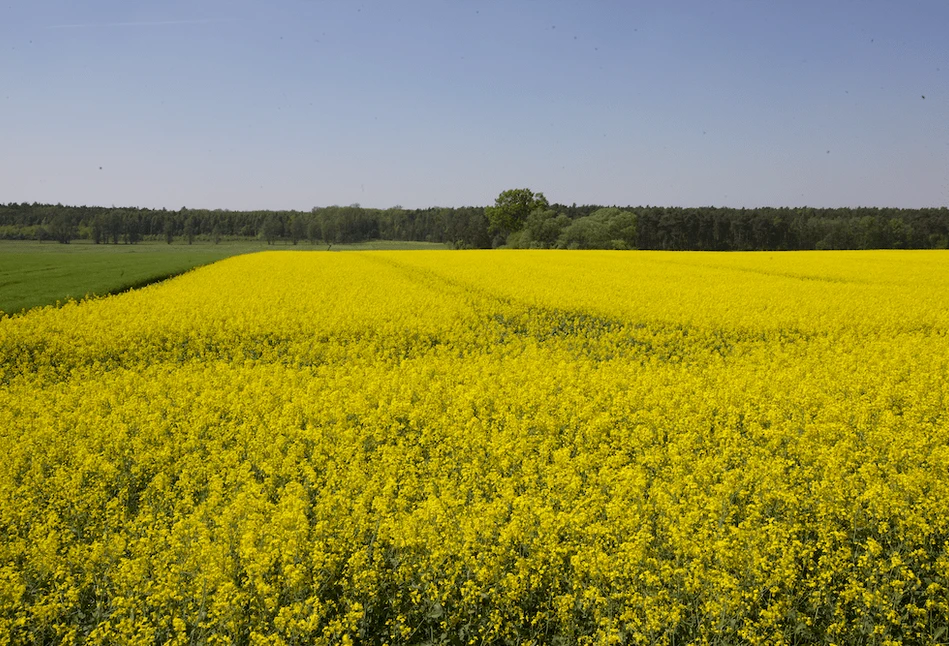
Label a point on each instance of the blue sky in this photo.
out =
(301, 103)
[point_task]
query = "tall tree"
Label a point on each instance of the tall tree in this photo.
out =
(114, 225)
(271, 229)
(511, 208)
(132, 232)
(190, 228)
(169, 229)
(313, 230)
(297, 228)
(98, 229)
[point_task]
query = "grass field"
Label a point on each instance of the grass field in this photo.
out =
(488, 447)
(34, 274)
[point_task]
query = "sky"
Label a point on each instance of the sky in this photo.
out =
(291, 104)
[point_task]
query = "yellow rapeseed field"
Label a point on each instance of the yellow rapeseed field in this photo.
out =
(484, 448)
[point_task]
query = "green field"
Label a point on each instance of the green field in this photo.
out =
(33, 274)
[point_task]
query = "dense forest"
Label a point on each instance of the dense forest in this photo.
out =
(547, 226)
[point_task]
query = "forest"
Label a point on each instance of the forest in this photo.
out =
(548, 226)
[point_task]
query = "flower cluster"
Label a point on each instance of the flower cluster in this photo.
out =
(484, 448)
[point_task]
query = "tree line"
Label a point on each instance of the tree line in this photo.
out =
(519, 218)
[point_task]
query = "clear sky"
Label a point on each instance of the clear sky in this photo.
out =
(246, 104)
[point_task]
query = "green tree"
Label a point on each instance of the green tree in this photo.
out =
(61, 228)
(98, 229)
(132, 230)
(114, 226)
(169, 229)
(511, 209)
(190, 227)
(271, 229)
(329, 226)
(606, 228)
(297, 228)
(543, 228)
(313, 230)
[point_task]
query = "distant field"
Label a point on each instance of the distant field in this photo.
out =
(33, 274)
